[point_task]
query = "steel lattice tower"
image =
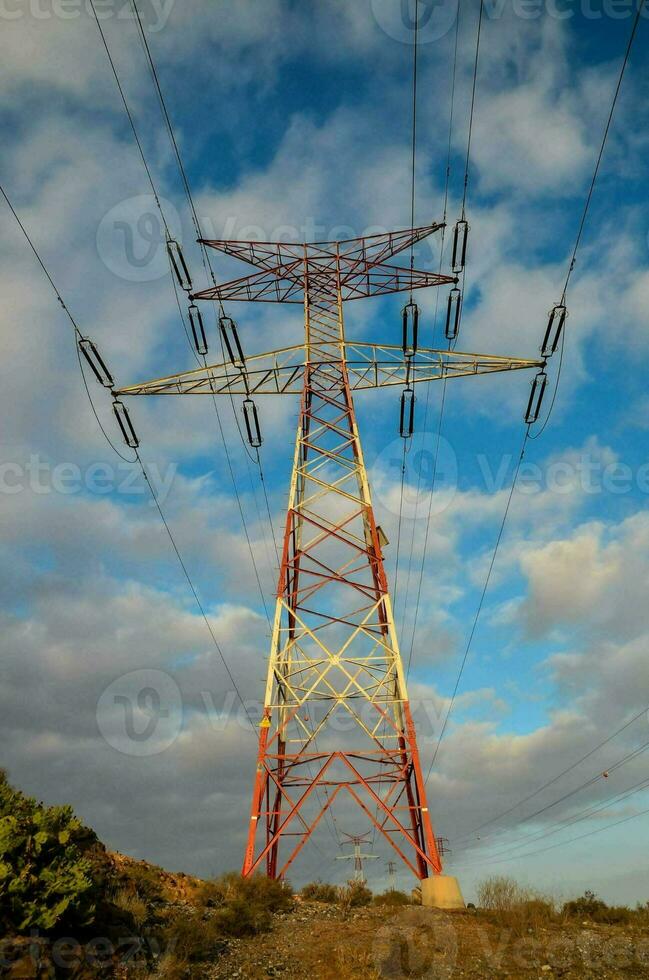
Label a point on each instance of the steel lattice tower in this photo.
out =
(334, 650)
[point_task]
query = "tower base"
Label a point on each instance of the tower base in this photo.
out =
(441, 892)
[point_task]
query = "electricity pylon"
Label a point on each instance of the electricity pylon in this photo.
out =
(358, 857)
(392, 873)
(334, 652)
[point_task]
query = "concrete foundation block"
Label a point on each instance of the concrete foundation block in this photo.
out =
(441, 892)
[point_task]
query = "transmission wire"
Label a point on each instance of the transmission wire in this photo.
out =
(570, 268)
(406, 441)
(471, 112)
(444, 382)
(582, 223)
(199, 360)
(556, 778)
(480, 604)
(79, 336)
(208, 265)
(572, 840)
(588, 811)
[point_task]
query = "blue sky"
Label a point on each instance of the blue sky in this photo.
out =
(297, 117)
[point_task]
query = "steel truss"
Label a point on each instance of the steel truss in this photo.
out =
(281, 372)
(334, 651)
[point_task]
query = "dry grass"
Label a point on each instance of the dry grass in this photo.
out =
(170, 967)
(192, 937)
(523, 909)
(393, 898)
(353, 895)
(518, 908)
(132, 904)
(357, 963)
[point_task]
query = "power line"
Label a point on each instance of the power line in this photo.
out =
(627, 54)
(572, 840)
(570, 268)
(208, 268)
(556, 778)
(480, 605)
(413, 183)
(568, 275)
(414, 136)
(41, 263)
(396, 566)
(130, 118)
(450, 342)
(629, 757)
(589, 782)
(73, 322)
(444, 382)
(200, 359)
(573, 819)
(79, 336)
(193, 589)
(167, 118)
(406, 441)
(428, 521)
(95, 413)
(582, 223)
(473, 93)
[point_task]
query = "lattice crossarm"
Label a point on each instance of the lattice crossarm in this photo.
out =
(280, 372)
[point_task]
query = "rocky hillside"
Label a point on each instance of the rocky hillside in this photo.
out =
(70, 908)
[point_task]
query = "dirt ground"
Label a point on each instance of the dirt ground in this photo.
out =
(318, 941)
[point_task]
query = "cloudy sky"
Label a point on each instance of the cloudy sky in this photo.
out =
(293, 120)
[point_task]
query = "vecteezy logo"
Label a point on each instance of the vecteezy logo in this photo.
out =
(140, 713)
(419, 946)
(131, 238)
(429, 477)
(397, 18)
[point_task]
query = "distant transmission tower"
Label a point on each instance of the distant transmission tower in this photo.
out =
(392, 873)
(334, 650)
(358, 857)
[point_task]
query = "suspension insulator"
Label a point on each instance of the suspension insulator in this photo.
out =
(556, 321)
(231, 340)
(407, 414)
(179, 265)
(125, 424)
(536, 397)
(94, 359)
(252, 423)
(410, 329)
(453, 311)
(460, 239)
(198, 330)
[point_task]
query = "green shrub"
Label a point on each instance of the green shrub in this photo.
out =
(45, 873)
(258, 892)
(231, 906)
(320, 891)
(587, 904)
(392, 897)
(193, 937)
(144, 879)
(239, 918)
(615, 915)
(590, 906)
